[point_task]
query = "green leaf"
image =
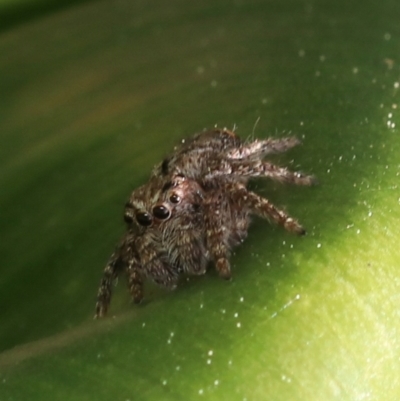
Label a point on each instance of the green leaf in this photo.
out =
(93, 96)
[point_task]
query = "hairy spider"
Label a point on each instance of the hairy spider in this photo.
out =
(194, 209)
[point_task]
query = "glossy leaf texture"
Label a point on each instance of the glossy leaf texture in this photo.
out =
(94, 95)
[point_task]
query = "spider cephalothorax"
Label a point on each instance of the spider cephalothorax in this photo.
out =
(194, 209)
(161, 199)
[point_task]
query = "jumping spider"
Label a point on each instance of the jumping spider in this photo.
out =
(194, 209)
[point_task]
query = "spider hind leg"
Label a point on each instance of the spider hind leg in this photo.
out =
(261, 147)
(262, 207)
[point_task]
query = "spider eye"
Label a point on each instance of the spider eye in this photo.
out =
(174, 198)
(144, 219)
(161, 212)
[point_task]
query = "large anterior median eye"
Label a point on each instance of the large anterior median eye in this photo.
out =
(144, 218)
(161, 212)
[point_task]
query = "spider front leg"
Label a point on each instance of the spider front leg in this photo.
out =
(135, 281)
(111, 272)
(120, 259)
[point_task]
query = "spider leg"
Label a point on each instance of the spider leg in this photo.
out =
(264, 208)
(258, 168)
(111, 272)
(214, 140)
(263, 147)
(135, 281)
(216, 238)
